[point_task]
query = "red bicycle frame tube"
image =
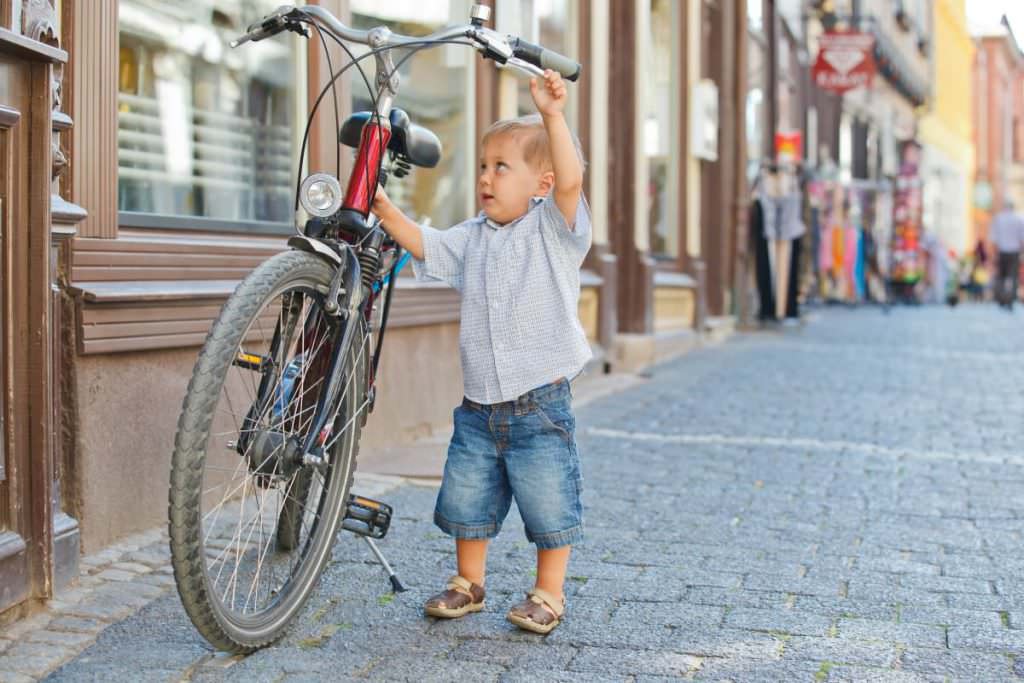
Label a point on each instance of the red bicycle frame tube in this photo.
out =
(363, 181)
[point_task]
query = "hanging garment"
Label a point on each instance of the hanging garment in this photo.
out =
(792, 296)
(782, 216)
(762, 262)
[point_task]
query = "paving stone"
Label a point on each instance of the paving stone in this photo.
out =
(839, 651)
(13, 676)
(632, 662)
(946, 584)
(67, 639)
(115, 575)
(858, 674)
(908, 634)
(133, 567)
(77, 624)
(33, 659)
(778, 621)
(101, 609)
(992, 640)
(17, 629)
(427, 671)
(951, 617)
(515, 655)
(958, 664)
(754, 670)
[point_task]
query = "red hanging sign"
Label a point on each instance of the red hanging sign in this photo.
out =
(789, 146)
(845, 61)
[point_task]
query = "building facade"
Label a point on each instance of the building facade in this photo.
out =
(148, 168)
(998, 114)
(946, 132)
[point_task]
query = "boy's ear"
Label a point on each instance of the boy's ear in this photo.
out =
(547, 181)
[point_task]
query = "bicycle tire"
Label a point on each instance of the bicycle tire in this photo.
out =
(218, 622)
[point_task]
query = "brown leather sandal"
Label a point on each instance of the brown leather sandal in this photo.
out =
(530, 614)
(461, 597)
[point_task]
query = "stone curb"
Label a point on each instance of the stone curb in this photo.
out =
(113, 584)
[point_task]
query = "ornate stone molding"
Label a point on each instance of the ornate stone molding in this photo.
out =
(39, 22)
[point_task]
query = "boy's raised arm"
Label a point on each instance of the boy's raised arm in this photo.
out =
(550, 98)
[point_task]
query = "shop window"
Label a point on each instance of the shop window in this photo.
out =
(437, 91)
(204, 131)
(755, 16)
(658, 130)
(551, 25)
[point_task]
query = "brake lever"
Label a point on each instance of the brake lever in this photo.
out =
(522, 65)
(271, 25)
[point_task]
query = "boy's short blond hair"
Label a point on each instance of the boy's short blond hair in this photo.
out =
(529, 131)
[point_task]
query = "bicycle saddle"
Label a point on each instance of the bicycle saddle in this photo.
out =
(414, 143)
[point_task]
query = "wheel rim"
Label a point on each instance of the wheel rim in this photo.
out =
(266, 521)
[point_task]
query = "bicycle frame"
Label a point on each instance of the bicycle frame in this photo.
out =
(356, 258)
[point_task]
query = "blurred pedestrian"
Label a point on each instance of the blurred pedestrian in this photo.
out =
(1007, 237)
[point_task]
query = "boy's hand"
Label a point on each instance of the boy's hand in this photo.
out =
(381, 203)
(550, 95)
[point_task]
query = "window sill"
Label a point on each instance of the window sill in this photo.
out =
(134, 219)
(672, 280)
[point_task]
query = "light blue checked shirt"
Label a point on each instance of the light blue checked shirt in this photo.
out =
(520, 285)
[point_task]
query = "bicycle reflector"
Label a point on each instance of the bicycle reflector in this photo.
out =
(320, 195)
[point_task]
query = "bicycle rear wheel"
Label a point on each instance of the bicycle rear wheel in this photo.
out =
(251, 525)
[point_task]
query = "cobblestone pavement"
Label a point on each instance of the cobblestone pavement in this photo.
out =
(837, 503)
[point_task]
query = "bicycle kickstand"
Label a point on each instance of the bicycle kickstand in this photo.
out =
(396, 585)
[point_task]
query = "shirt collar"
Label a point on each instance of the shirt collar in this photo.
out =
(534, 201)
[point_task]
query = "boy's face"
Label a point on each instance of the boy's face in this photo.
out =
(507, 181)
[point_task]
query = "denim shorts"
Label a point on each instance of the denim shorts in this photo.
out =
(523, 449)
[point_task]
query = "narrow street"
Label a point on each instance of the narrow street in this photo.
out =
(842, 502)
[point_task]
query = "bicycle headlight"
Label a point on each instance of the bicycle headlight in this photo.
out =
(320, 195)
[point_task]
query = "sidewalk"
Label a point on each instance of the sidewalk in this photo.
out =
(120, 580)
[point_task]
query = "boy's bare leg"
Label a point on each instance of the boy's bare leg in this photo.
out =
(551, 567)
(472, 558)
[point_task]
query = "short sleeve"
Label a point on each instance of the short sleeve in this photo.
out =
(443, 254)
(577, 237)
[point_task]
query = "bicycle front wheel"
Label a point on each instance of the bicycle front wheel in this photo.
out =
(252, 521)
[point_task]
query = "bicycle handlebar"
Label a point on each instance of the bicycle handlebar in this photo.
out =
(543, 58)
(503, 49)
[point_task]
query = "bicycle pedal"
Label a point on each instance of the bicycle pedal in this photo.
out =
(251, 361)
(367, 517)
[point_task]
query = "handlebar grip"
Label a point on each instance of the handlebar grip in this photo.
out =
(544, 58)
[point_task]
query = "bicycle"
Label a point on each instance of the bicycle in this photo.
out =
(268, 436)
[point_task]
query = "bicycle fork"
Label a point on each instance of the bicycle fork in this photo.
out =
(363, 516)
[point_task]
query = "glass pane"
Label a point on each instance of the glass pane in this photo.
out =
(755, 18)
(433, 91)
(658, 128)
(552, 30)
(755, 106)
(204, 130)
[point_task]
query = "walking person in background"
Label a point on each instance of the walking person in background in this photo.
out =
(1007, 237)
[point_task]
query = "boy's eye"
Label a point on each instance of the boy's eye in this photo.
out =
(501, 165)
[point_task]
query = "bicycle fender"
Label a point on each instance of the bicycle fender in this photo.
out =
(316, 247)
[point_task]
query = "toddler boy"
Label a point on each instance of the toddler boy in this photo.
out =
(517, 265)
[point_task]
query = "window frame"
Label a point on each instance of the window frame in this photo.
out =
(303, 100)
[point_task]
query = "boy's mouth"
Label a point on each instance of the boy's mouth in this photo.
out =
(485, 197)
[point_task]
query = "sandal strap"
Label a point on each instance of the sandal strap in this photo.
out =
(540, 596)
(461, 585)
